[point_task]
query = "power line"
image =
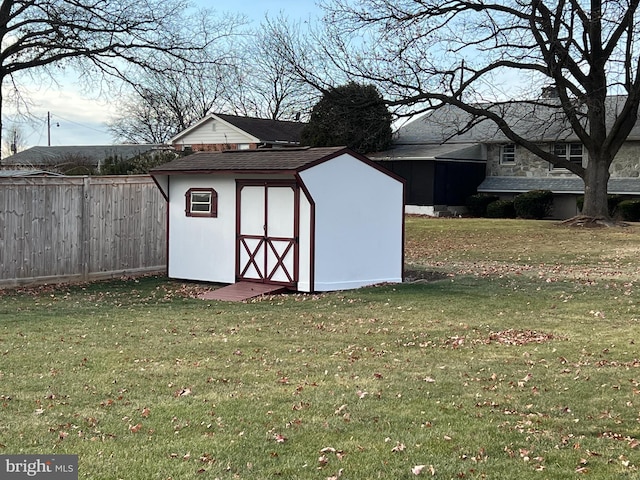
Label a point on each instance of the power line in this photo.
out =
(78, 124)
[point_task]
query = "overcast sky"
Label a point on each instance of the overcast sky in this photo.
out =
(79, 119)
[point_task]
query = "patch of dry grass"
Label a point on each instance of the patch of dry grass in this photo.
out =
(543, 249)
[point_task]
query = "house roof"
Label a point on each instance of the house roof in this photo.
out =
(242, 161)
(569, 185)
(28, 173)
(542, 123)
(262, 129)
(95, 153)
(454, 151)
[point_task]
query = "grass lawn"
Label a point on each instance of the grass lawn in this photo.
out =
(512, 354)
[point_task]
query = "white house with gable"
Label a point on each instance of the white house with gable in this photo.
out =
(230, 132)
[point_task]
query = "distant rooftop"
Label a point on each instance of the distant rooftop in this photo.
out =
(264, 129)
(42, 156)
(28, 173)
(533, 121)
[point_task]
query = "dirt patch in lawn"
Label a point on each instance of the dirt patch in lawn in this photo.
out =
(420, 275)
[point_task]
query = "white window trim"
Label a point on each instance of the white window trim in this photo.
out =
(503, 153)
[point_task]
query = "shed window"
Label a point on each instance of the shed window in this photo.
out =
(201, 202)
(508, 153)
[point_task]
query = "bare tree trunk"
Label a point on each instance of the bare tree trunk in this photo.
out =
(596, 180)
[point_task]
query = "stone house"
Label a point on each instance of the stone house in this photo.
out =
(511, 169)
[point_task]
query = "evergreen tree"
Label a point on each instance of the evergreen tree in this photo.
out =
(353, 115)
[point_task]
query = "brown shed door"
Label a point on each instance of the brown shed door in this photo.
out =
(267, 224)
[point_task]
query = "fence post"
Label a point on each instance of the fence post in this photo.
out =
(85, 227)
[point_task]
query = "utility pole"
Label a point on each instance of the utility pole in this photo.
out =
(49, 128)
(14, 143)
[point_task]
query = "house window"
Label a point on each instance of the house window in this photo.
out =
(201, 202)
(571, 152)
(508, 153)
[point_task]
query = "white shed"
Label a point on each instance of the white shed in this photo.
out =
(311, 219)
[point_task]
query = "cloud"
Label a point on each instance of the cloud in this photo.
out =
(75, 119)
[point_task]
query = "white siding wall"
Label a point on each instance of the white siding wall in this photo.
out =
(359, 222)
(202, 248)
(304, 245)
(214, 132)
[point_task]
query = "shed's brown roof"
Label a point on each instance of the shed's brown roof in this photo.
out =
(267, 160)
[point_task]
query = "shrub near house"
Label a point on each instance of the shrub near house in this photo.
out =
(628, 210)
(477, 204)
(536, 204)
(501, 209)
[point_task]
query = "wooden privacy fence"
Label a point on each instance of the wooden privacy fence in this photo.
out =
(68, 229)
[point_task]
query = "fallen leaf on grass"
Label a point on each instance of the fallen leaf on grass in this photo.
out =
(400, 447)
(520, 337)
(183, 392)
(135, 428)
(336, 476)
(417, 470)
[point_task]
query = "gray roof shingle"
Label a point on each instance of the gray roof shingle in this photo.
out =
(28, 173)
(447, 151)
(572, 184)
(95, 153)
(530, 120)
(266, 130)
(266, 160)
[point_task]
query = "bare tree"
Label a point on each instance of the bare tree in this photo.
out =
(164, 103)
(481, 60)
(41, 37)
(265, 84)
(245, 76)
(14, 142)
